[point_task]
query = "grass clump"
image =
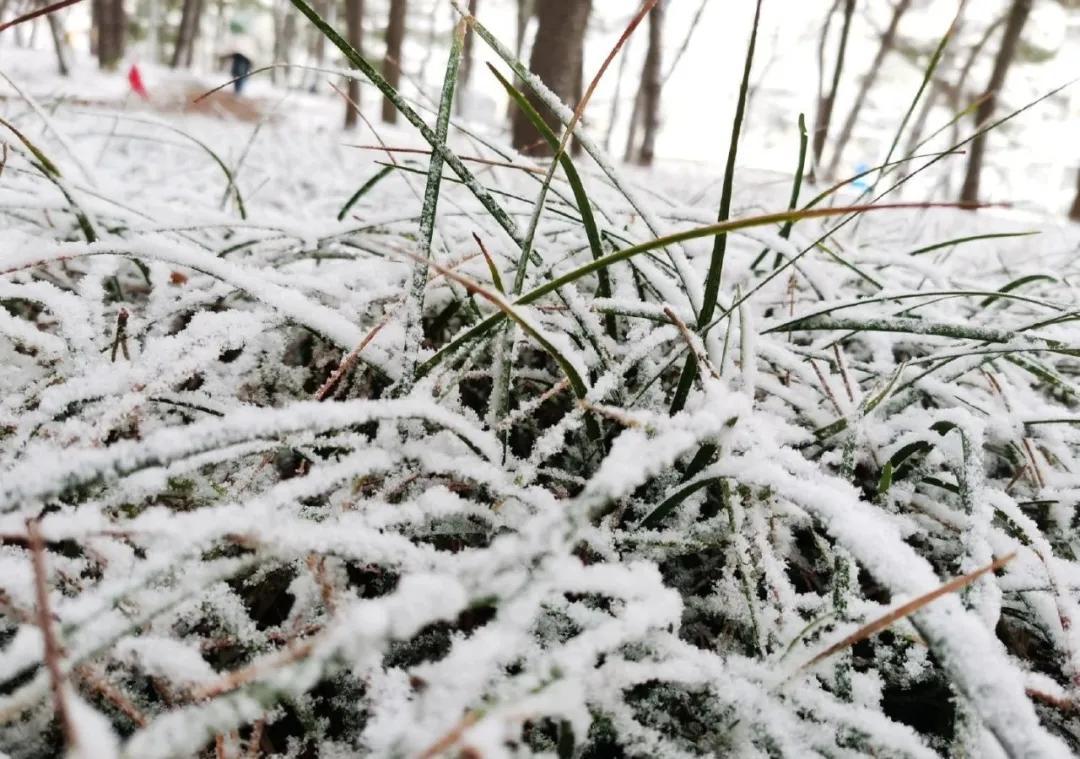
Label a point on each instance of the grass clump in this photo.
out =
(367, 485)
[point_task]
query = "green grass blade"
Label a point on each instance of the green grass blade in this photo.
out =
(415, 306)
(588, 220)
(49, 170)
(911, 326)
(365, 188)
(669, 504)
(719, 251)
(625, 254)
(934, 294)
(508, 310)
(456, 165)
(43, 159)
(716, 263)
(1016, 283)
(928, 76)
(796, 187)
(973, 238)
(685, 272)
(952, 151)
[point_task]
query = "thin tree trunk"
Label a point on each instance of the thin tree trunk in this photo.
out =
(635, 123)
(525, 11)
(97, 13)
(888, 39)
(558, 58)
(695, 23)
(1074, 212)
(825, 105)
(954, 93)
(220, 26)
(395, 36)
(118, 19)
(317, 42)
(354, 30)
(620, 77)
(279, 8)
(111, 27)
(196, 27)
(57, 32)
(184, 33)
(651, 83)
(467, 53)
(288, 40)
(1018, 15)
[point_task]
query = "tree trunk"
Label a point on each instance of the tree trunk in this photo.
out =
(635, 122)
(185, 33)
(1074, 212)
(395, 36)
(1018, 15)
(557, 59)
(888, 39)
(221, 26)
(525, 11)
(354, 32)
(97, 12)
(280, 8)
(826, 103)
(651, 83)
(317, 40)
(111, 25)
(196, 27)
(288, 41)
(57, 32)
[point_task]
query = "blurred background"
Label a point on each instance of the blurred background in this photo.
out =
(852, 67)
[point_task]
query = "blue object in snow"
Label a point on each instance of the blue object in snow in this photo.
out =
(861, 182)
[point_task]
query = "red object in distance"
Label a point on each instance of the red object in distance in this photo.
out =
(136, 82)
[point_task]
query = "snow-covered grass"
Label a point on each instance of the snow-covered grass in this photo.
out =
(260, 491)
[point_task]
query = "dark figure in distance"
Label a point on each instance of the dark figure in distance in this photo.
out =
(239, 68)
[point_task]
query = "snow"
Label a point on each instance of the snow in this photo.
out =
(456, 573)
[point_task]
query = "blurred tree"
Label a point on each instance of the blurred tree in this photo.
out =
(467, 56)
(395, 36)
(284, 38)
(826, 101)
(110, 22)
(888, 40)
(652, 84)
(639, 97)
(190, 16)
(1074, 212)
(558, 58)
(57, 32)
(354, 31)
(525, 11)
(1014, 25)
(317, 40)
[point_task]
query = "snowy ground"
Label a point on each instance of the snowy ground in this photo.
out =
(409, 571)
